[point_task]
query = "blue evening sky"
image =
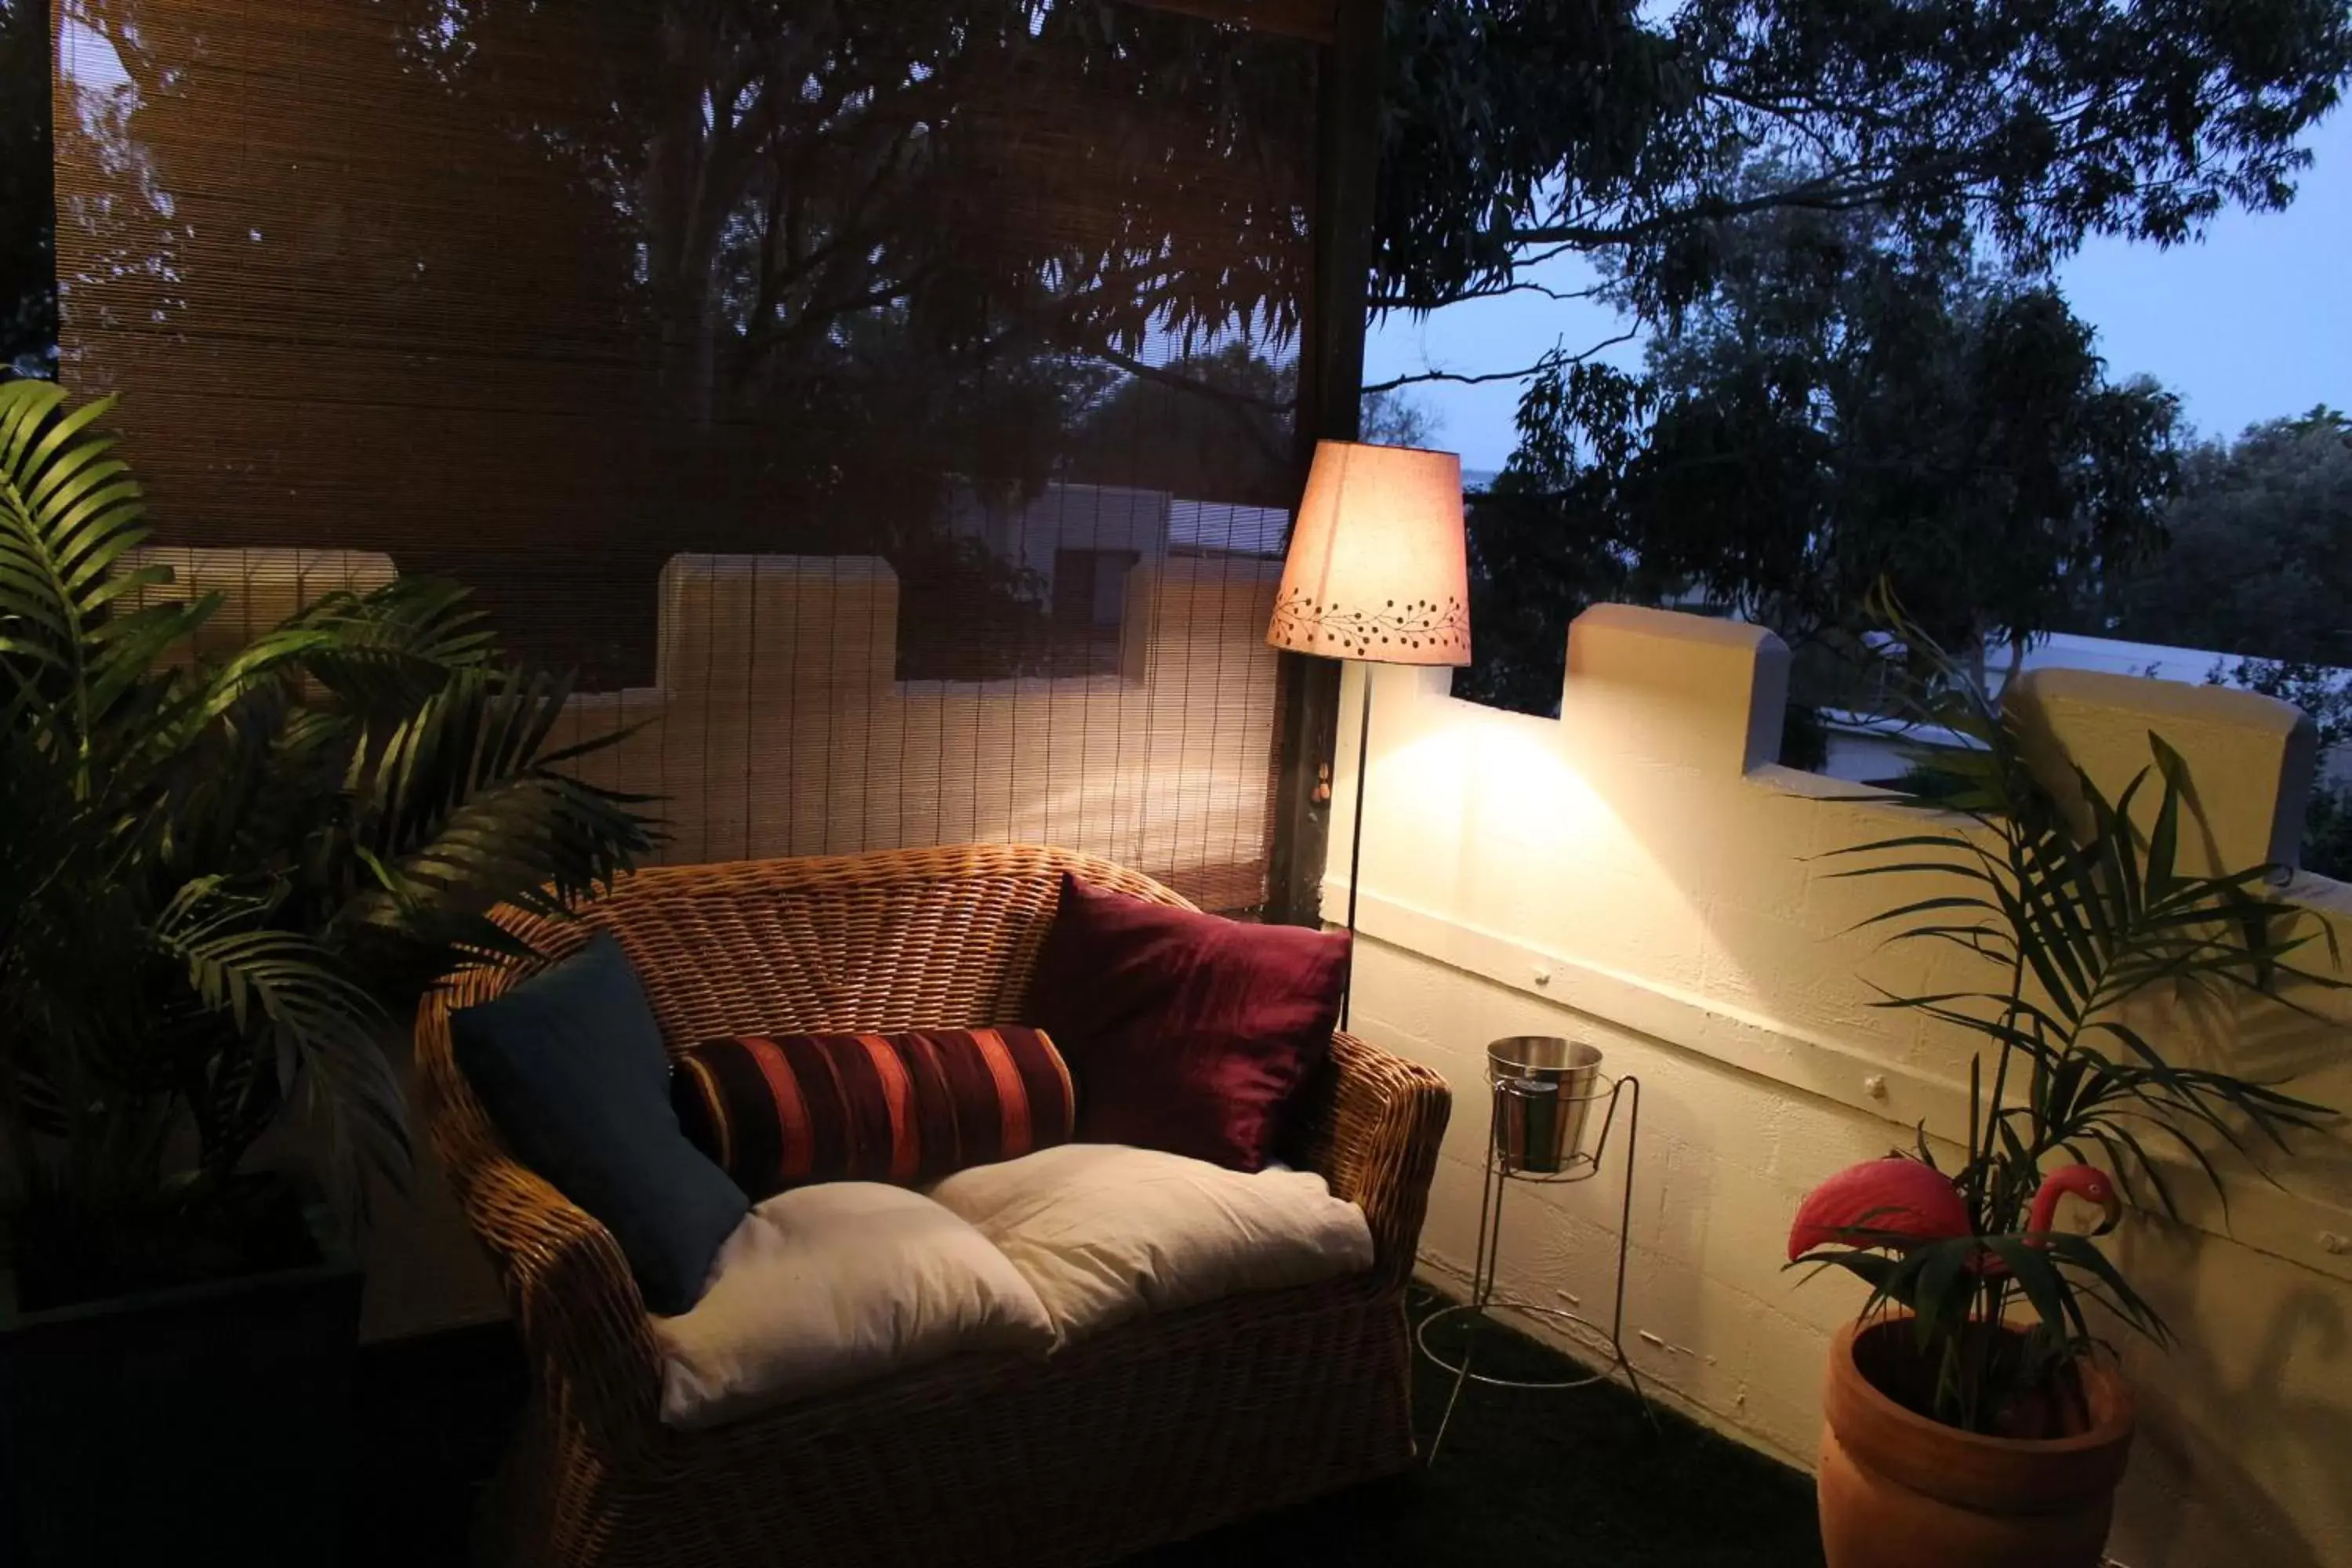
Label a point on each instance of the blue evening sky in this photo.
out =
(2252, 324)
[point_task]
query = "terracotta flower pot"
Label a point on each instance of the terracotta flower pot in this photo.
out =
(1900, 1490)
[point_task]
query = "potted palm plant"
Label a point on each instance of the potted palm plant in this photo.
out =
(222, 880)
(1974, 1414)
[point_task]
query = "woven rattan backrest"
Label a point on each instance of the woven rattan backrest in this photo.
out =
(900, 939)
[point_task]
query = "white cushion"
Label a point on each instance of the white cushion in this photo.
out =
(827, 1285)
(1107, 1233)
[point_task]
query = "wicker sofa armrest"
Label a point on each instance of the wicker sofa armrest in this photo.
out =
(1375, 1140)
(574, 1301)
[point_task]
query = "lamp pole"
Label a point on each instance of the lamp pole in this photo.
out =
(1356, 832)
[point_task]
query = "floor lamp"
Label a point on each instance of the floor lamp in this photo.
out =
(1376, 575)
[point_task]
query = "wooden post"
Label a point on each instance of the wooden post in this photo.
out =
(1331, 379)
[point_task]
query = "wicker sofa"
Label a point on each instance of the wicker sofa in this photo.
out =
(1149, 1433)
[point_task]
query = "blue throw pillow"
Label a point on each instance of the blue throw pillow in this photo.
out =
(571, 1066)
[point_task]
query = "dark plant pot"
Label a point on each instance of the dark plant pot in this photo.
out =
(210, 1422)
(1900, 1490)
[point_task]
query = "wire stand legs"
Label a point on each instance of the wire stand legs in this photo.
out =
(1607, 1338)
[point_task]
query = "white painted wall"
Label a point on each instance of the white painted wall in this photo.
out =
(776, 725)
(1642, 873)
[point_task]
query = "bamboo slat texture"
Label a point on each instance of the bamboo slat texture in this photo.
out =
(546, 300)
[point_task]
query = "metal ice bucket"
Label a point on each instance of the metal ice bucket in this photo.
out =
(1544, 1088)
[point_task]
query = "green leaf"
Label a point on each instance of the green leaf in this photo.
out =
(2081, 1252)
(2041, 1281)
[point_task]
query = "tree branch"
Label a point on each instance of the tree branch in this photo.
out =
(1552, 361)
(1144, 371)
(1390, 385)
(1525, 286)
(1858, 184)
(1816, 195)
(1231, 403)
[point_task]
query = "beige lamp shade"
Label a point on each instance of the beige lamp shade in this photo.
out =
(1376, 569)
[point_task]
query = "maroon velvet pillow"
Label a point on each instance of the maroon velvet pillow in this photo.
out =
(1183, 1031)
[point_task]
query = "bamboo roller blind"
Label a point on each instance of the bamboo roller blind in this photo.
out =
(887, 410)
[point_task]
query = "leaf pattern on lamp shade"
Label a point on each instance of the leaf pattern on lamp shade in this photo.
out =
(1413, 632)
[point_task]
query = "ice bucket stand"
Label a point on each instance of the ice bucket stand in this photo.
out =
(1606, 1341)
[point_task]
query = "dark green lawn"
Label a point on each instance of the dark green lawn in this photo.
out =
(1530, 1479)
(1525, 1480)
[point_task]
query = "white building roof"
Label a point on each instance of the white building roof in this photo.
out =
(2113, 655)
(1229, 530)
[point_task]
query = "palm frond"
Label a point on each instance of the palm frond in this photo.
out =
(68, 514)
(223, 875)
(286, 995)
(2091, 916)
(463, 811)
(383, 651)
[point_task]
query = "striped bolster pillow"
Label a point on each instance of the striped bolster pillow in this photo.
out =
(785, 1110)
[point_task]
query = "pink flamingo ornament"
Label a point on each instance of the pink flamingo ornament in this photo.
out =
(1903, 1204)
